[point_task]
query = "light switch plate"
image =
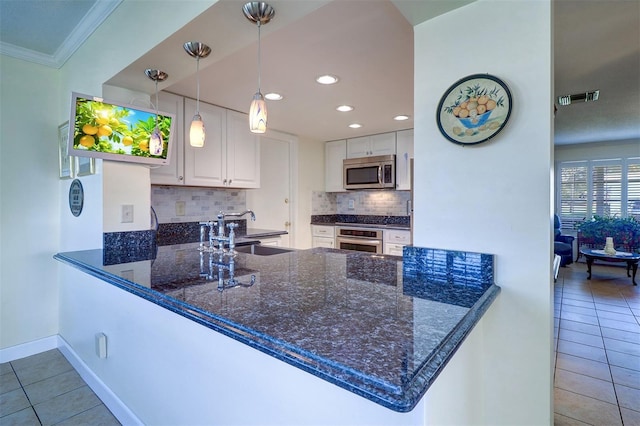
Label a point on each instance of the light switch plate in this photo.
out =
(180, 208)
(127, 213)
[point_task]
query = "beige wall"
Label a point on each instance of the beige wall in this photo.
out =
(35, 221)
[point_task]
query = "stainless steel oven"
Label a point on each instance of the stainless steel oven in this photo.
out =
(359, 239)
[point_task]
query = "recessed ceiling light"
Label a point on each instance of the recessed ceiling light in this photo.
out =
(273, 96)
(401, 117)
(355, 125)
(345, 108)
(327, 79)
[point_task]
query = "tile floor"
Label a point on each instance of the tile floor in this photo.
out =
(44, 389)
(597, 356)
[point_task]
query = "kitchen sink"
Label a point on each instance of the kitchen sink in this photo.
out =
(259, 250)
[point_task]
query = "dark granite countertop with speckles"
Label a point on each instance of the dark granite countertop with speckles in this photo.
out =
(366, 323)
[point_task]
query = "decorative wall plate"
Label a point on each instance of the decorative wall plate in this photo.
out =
(474, 109)
(76, 197)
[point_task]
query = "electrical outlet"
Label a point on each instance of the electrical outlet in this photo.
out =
(180, 208)
(127, 213)
(352, 204)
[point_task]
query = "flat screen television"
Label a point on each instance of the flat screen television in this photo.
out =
(117, 131)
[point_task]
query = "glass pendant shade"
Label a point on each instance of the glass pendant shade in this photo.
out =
(197, 133)
(155, 143)
(258, 114)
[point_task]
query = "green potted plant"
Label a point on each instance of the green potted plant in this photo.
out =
(624, 231)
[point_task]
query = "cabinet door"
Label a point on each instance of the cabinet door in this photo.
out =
(243, 152)
(172, 173)
(334, 153)
(322, 242)
(404, 144)
(358, 147)
(393, 249)
(368, 146)
(206, 166)
(383, 144)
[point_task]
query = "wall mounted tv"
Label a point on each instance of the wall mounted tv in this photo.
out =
(120, 132)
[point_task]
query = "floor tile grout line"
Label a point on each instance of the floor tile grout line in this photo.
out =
(25, 393)
(602, 337)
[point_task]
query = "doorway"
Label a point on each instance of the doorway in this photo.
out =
(274, 202)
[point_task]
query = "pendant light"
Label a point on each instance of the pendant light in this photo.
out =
(156, 145)
(259, 13)
(197, 50)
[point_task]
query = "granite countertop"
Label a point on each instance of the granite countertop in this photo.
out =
(368, 221)
(372, 324)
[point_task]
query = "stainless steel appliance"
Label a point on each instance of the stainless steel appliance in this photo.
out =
(359, 239)
(369, 172)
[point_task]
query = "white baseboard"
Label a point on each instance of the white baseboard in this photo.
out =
(113, 403)
(27, 349)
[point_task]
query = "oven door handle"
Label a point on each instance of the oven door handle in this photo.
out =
(380, 175)
(357, 241)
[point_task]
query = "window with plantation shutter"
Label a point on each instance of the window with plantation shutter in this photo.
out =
(633, 189)
(597, 188)
(606, 184)
(573, 193)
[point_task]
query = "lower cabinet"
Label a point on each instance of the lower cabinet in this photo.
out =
(323, 236)
(395, 240)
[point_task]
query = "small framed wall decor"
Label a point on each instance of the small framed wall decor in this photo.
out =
(65, 162)
(474, 109)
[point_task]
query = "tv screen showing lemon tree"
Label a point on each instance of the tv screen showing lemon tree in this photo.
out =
(120, 132)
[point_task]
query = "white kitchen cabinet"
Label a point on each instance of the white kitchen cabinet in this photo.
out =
(394, 240)
(368, 146)
(231, 153)
(323, 236)
(243, 152)
(404, 154)
(334, 153)
(172, 173)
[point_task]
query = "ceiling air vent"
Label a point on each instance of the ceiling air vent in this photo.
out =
(580, 97)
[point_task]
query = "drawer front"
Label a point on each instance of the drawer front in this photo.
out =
(397, 237)
(322, 231)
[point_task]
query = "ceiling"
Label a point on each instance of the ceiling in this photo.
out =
(596, 47)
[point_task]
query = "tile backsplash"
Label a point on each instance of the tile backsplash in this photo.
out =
(200, 204)
(379, 203)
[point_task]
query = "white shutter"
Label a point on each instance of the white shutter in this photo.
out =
(606, 183)
(633, 188)
(573, 193)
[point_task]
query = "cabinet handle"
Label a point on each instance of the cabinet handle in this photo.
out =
(224, 182)
(229, 181)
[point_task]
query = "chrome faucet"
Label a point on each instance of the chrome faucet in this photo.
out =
(221, 238)
(253, 216)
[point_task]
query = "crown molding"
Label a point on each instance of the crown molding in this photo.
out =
(94, 17)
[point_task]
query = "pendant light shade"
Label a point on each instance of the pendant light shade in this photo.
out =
(258, 114)
(259, 13)
(197, 133)
(156, 144)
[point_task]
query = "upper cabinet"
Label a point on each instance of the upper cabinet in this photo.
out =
(369, 146)
(399, 143)
(334, 153)
(404, 154)
(172, 173)
(230, 156)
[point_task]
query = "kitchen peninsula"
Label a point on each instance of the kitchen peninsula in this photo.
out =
(381, 327)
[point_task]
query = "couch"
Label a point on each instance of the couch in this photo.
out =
(562, 244)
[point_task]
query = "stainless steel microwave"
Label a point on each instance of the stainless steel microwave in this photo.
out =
(369, 172)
